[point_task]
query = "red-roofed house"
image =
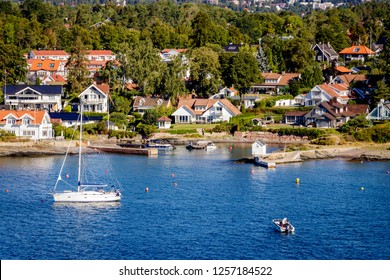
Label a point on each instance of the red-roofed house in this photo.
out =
(204, 110)
(35, 125)
(41, 68)
(356, 53)
(326, 92)
(164, 122)
(55, 79)
(49, 54)
(274, 82)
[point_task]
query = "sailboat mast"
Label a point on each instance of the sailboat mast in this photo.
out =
(80, 142)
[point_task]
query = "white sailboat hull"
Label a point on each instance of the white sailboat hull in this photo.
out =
(87, 196)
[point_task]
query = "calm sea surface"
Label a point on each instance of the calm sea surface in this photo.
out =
(200, 205)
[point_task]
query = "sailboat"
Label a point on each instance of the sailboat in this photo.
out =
(84, 192)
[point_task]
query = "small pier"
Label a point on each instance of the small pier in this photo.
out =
(123, 150)
(264, 163)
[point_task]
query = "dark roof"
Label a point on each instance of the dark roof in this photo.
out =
(44, 89)
(64, 116)
(295, 113)
(232, 47)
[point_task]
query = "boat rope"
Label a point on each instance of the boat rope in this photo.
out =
(63, 162)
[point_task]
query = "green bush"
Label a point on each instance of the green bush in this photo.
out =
(6, 136)
(119, 134)
(380, 133)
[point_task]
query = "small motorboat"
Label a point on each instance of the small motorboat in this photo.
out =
(283, 225)
(201, 145)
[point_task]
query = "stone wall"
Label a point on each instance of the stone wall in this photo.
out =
(269, 137)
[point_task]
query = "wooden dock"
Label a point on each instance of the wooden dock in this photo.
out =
(122, 150)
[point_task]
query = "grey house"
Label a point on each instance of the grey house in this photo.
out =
(325, 52)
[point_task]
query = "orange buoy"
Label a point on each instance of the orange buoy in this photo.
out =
(6, 190)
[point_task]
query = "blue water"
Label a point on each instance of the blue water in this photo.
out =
(200, 205)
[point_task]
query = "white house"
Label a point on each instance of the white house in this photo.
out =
(326, 92)
(259, 148)
(164, 122)
(33, 97)
(225, 93)
(95, 98)
(381, 112)
(204, 110)
(35, 125)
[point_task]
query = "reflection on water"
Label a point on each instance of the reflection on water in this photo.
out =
(200, 205)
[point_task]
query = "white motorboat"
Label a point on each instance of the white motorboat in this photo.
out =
(283, 225)
(201, 145)
(81, 191)
(162, 147)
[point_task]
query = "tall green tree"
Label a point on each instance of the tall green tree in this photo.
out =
(205, 70)
(13, 66)
(311, 76)
(78, 74)
(143, 65)
(244, 71)
(173, 80)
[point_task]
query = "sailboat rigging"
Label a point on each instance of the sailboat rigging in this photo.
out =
(86, 192)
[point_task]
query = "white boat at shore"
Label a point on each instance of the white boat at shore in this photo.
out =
(82, 191)
(201, 145)
(283, 225)
(162, 147)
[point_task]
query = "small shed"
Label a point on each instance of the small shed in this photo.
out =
(164, 122)
(259, 148)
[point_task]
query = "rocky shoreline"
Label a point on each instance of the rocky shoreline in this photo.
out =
(350, 152)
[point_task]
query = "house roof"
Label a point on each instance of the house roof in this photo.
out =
(49, 52)
(45, 64)
(98, 52)
(191, 104)
(295, 113)
(36, 116)
(104, 88)
(232, 47)
(331, 91)
(65, 116)
(282, 79)
(343, 69)
(141, 101)
(55, 79)
(327, 48)
(164, 119)
(358, 109)
(363, 50)
(347, 79)
(43, 89)
(174, 50)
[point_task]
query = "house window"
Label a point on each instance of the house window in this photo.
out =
(39, 64)
(51, 65)
(29, 133)
(183, 119)
(26, 121)
(11, 121)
